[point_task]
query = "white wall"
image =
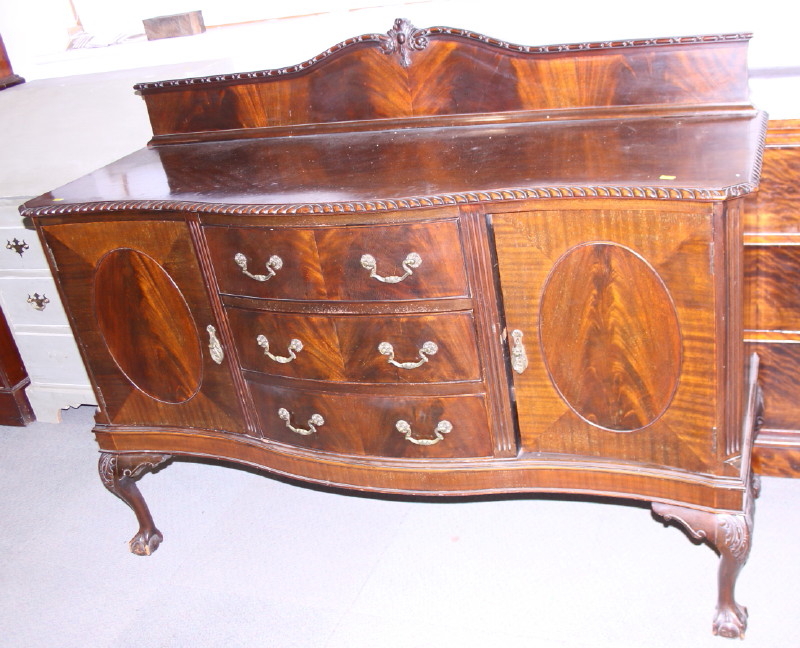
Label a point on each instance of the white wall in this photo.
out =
(34, 28)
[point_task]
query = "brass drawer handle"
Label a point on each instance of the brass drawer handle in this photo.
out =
(294, 345)
(39, 302)
(313, 423)
(413, 260)
(428, 349)
(274, 263)
(444, 427)
(519, 360)
(214, 347)
(18, 246)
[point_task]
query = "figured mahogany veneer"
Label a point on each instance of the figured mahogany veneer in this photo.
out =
(431, 262)
(772, 297)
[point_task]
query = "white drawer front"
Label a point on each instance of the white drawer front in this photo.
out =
(15, 293)
(20, 250)
(52, 359)
(9, 210)
(19, 247)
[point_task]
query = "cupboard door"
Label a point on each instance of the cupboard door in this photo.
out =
(136, 297)
(611, 327)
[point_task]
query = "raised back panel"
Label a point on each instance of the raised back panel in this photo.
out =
(441, 72)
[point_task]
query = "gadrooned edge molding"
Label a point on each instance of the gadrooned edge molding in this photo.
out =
(415, 202)
(390, 43)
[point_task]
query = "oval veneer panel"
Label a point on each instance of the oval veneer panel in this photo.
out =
(147, 326)
(610, 337)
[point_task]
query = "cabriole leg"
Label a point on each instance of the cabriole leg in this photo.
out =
(119, 473)
(730, 535)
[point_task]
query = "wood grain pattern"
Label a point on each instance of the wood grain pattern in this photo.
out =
(774, 209)
(441, 274)
(440, 477)
(776, 453)
(319, 359)
(366, 425)
(326, 263)
(494, 163)
(609, 336)
(147, 326)
(778, 377)
(77, 250)
(677, 245)
(773, 298)
(386, 171)
(300, 277)
(456, 72)
(345, 349)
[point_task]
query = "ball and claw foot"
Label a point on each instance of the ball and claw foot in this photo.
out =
(730, 621)
(145, 542)
(119, 474)
(730, 535)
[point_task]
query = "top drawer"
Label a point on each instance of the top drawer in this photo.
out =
(354, 263)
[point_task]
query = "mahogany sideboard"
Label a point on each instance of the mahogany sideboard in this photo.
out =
(431, 262)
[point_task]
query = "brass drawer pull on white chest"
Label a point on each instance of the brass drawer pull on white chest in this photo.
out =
(314, 422)
(274, 263)
(519, 359)
(413, 260)
(294, 345)
(428, 349)
(444, 427)
(214, 347)
(39, 302)
(18, 246)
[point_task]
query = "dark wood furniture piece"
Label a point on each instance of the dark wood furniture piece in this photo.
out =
(772, 297)
(431, 262)
(7, 76)
(14, 406)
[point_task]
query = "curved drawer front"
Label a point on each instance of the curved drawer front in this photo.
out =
(277, 263)
(409, 261)
(287, 344)
(350, 348)
(405, 427)
(364, 263)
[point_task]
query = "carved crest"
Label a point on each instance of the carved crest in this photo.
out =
(403, 38)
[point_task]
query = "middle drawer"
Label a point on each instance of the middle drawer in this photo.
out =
(425, 348)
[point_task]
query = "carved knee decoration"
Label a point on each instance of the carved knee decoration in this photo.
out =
(119, 473)
(730, 535)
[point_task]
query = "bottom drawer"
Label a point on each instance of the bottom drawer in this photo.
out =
(380, 426)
